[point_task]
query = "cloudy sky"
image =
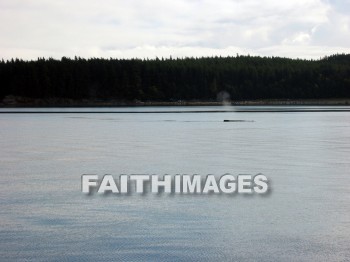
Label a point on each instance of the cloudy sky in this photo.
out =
(178, 28)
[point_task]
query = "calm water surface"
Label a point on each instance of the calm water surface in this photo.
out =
(306, 156)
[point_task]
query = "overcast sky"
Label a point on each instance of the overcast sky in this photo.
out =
(180, 28)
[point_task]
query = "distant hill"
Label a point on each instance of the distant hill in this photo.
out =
(200, 79)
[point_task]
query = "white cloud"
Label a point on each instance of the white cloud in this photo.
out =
(137, 28)
(299, 38)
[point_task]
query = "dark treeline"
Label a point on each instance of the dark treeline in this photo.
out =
(243, 77)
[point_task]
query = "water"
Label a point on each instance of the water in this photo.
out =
(305, 155)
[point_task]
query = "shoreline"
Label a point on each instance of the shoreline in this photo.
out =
(22, 102)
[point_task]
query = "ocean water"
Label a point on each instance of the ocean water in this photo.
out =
(303, 151)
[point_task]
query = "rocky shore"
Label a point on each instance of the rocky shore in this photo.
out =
(15, 101)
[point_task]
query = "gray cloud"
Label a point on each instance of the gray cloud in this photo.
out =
(136, 28)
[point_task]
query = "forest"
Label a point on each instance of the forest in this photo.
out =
(188, 79)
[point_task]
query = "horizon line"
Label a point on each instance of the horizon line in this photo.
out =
(167, 58)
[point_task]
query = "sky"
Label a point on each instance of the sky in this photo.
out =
(179, 28)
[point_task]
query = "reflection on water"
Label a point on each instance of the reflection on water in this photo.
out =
(174, 109)
(306, 156)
